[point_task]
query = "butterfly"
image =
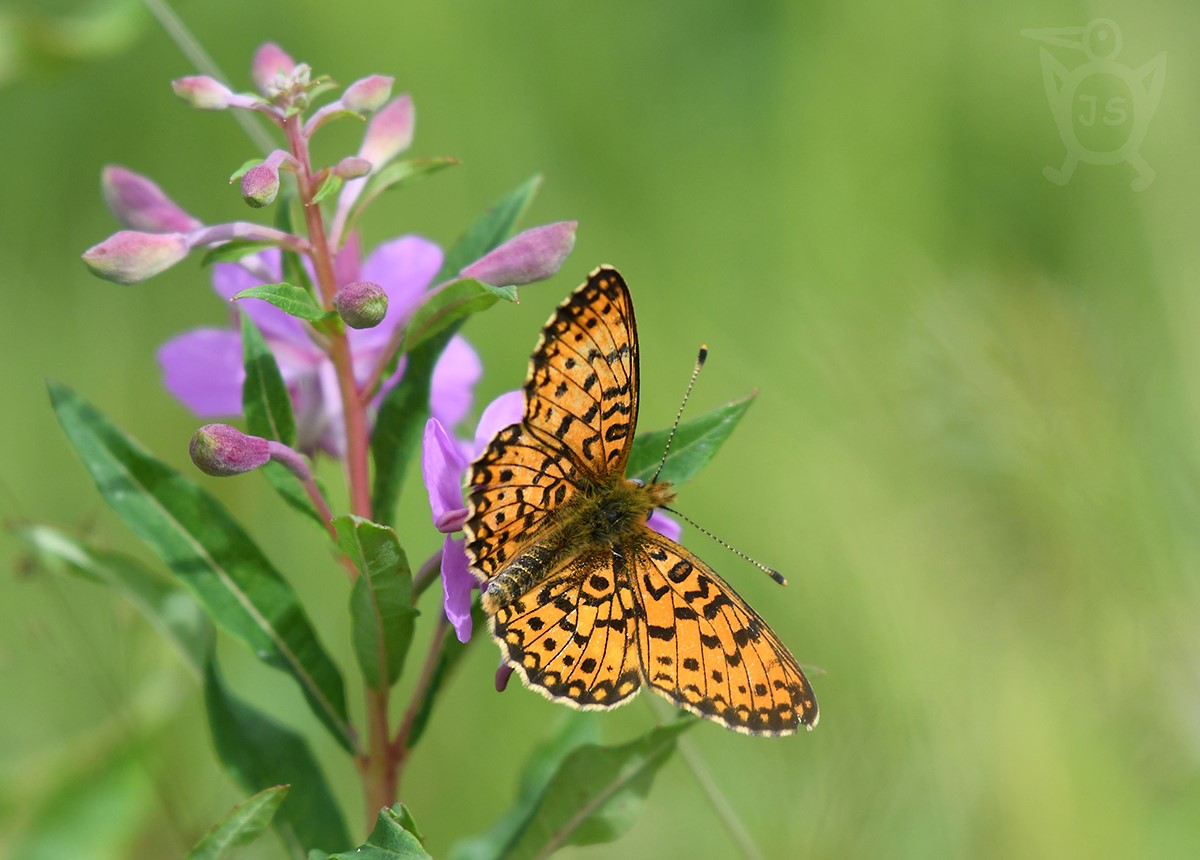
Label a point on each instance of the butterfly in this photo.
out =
(586, 601)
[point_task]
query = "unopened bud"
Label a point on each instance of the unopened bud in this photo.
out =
(270, 64)
(220, 450)
(260, 185)
(532, 255)
(139, 203)
(352, 167)
(389, 133)
(203, 92)
(368, 95)
(362, 304)
(129, 256)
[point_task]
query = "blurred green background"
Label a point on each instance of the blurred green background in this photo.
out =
(974, 452)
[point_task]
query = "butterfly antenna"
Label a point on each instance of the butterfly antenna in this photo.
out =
(769, 571)
(700, 359)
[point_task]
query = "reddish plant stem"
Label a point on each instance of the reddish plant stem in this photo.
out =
(353, 407)
(399, 746)
(380, 766)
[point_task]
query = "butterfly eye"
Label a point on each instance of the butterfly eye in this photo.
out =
(638, 482)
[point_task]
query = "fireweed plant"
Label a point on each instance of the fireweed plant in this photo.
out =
(356, 357)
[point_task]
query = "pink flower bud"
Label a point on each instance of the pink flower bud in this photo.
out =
(201, 91)
(362, 304)
(139, 203)
(260, 185)
(270, 64)
(220, 450)
(368, 94)
(530, 256)
(352, 167)
(129, 256)
(389, 133)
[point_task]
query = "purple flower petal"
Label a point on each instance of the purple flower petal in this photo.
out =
(665, 525)
(506, 409)
(203, 369)
(442, 466)
(457, 583)
(452, 385)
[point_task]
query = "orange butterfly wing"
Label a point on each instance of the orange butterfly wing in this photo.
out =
(705, 649)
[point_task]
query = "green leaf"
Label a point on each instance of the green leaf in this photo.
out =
(381, 604)
(390, 840)
(397, 175)
(399, 426)
(241, 825)
(694, 444)
(331, 185)
(578, 728)
(209, 552)
(293, 301)
(234, 250)
(405, 408)
(595, 794)
(265, 401)
(244, 169)
(489, 229)
(260, 753)
(449, 305)
(166, 606)
(268, 411)
(450, 652)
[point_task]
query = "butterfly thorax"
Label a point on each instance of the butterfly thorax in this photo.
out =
(604, 518)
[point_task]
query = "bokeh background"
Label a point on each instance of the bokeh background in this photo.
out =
(973, 454)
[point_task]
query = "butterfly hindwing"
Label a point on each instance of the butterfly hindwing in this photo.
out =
(572, 637)
(582, 390)
(704, 648)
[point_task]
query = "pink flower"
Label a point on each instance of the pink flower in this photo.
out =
(203, 368)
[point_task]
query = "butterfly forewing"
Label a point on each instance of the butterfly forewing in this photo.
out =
(705, 649)
(514, 486)
(582, 390)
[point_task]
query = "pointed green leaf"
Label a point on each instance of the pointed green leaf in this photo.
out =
(399, 426)
(331, 185)
(165, 605)
(260, 753)
(265, 401)
(234, 250)
(241, 825)
(595, 794)
(293, 301)
(397, 175)
(268, 412)
(489, 229)
(390, 840)
(381, 605)
(694, 444)
(244, 169)
(575, 730)
(449, 305)
(209, 552)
